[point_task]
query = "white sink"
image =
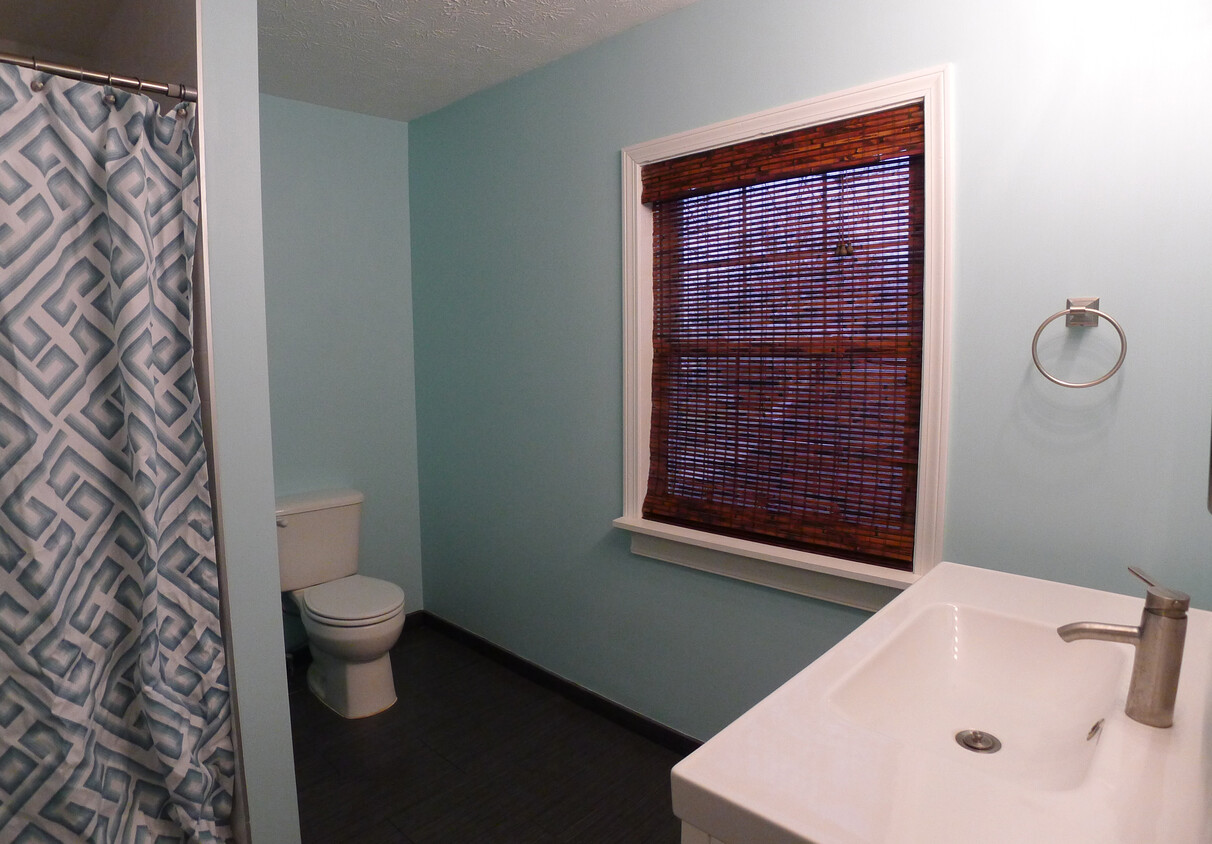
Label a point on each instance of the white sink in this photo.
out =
(957, 668)
(861, 745)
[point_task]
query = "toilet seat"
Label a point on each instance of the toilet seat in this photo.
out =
(354, 601)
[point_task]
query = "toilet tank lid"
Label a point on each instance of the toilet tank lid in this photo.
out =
(305, 502)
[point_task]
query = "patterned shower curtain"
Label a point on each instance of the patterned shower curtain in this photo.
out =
(114, 700)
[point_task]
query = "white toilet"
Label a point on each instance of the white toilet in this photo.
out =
(351, 620)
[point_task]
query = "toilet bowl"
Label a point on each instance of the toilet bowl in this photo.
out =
(351, 620)
(351, 624)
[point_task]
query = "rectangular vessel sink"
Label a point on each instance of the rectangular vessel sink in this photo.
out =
(861, 746)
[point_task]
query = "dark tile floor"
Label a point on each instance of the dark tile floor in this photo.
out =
(474, 753)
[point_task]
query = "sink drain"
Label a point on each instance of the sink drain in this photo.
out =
(977, 741)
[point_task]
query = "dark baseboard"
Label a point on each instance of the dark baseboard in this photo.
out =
(621, 715)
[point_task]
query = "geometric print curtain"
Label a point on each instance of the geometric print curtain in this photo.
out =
(115, 707)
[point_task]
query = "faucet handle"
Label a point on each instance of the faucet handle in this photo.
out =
(1161, 600)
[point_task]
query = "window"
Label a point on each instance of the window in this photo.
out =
(786, 342)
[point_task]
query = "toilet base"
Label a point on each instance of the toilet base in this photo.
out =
(351, 689)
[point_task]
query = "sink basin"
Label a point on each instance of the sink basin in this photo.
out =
(952, 668)
(860, 747)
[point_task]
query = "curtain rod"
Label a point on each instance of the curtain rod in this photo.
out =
(177, 91)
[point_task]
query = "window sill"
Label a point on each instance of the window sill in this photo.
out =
(859, 585)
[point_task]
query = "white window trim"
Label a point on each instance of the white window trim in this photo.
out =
(842, 581)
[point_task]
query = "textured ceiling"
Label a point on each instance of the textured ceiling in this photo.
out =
(404, 58)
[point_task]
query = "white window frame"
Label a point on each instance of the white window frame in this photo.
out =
(862, 585)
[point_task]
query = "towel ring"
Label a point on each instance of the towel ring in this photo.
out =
(1123, 347)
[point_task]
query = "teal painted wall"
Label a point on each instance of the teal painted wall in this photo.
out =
(339, 312)
(227, 63)
(1080, 170)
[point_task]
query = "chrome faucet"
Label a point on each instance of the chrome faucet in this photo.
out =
(1159, 650)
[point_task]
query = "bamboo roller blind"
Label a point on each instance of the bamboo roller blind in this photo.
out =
(787, 337)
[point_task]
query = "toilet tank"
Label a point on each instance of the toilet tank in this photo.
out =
(318, 537)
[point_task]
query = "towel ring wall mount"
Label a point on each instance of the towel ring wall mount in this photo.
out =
(1080, 313)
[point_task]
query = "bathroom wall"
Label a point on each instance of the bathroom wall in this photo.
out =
(148, 44)
(1080, 171)
(116, 36)
(339, 316)
(67, 32)
(233, 254)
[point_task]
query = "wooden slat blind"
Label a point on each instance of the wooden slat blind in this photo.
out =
(787, 340)
(865, 139)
